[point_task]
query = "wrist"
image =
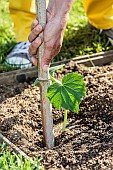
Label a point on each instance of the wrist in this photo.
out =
(60, 10)
(62, 20)
(64, 7)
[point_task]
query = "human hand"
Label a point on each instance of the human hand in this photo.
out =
(53, 37)
(53, 32)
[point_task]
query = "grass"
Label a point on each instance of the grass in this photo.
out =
(78, 38)
(7, 37)
(12, 161)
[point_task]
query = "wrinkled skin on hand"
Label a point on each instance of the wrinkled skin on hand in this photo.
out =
(53, 35)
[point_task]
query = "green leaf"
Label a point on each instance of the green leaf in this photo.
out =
(51, 71)
(36, 83)
(54, 80)
(55, 68)
(69, 93)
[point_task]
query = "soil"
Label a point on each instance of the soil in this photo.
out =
(86, 144)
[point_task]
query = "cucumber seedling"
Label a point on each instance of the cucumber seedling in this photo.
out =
(66, 94)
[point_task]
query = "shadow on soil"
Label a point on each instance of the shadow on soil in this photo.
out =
(8, 91)
(90, 133)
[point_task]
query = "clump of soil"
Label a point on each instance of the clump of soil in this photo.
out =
(87, 142)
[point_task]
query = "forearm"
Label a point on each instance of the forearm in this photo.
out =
(63, 7)
(60, 9)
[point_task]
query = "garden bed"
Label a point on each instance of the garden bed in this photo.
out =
(87, 142)
(4, 140)
(26, 74)
(11, 157)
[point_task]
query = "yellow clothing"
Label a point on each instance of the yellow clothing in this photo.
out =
(23, 14)
(99, 13)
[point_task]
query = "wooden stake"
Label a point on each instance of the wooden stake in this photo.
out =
(46, 108)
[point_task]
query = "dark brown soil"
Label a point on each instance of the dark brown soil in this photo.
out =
(86, 144)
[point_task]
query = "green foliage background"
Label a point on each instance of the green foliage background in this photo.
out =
(78, 38)
(13, 161)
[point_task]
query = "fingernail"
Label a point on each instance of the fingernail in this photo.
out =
(38, 29)
(45, 68)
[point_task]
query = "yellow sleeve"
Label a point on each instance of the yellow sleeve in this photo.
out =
(99, 13)
(22, 13)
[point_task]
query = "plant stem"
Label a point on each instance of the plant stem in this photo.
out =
(65, 120)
